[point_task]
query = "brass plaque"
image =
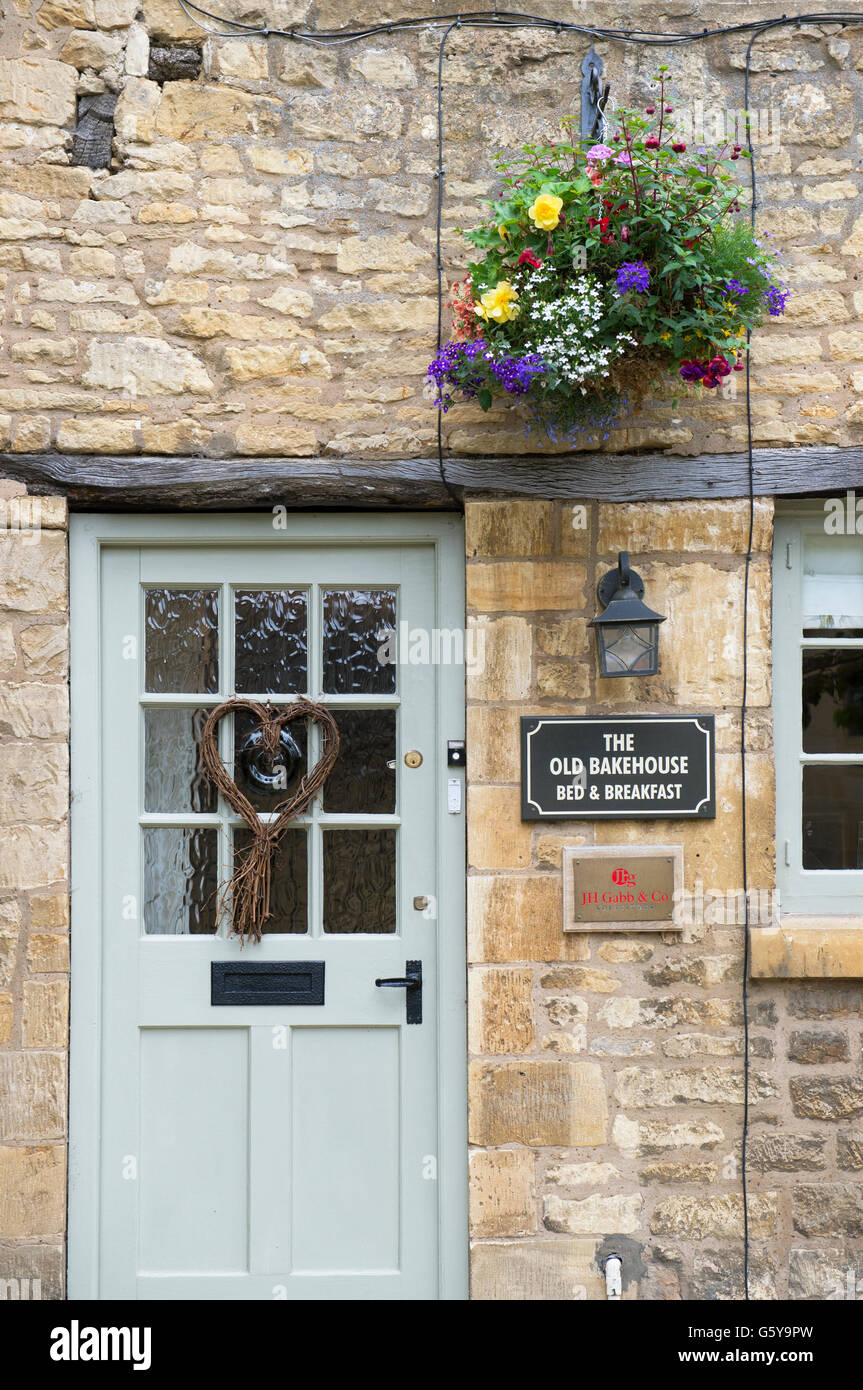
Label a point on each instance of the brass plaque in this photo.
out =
(633, 887)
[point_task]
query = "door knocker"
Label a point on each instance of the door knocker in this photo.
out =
(269, 755)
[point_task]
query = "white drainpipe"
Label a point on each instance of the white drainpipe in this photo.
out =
(613, 1282)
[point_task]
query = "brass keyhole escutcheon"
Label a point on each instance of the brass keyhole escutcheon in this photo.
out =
(413, 758)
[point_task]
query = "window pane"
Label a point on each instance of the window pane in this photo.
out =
(359, 881)
(359, 628)
(833, 817)
(270, 627)
(284, 768)
(832, 585)
(180, 881)
(182, 640)
(174, 779)
(289, 882)
(833, 701)
(361, 779)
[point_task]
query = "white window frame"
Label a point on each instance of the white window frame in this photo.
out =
(815, 892)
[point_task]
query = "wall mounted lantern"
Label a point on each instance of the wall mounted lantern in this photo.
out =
(627, 632)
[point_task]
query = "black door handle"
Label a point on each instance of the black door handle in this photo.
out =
(412, 984)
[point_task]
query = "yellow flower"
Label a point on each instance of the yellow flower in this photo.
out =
(499, 304)
(502, 232)
(664, 337)
(546, 211)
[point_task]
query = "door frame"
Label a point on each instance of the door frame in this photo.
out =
(88, 534)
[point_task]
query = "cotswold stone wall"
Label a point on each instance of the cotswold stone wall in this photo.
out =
(34, 904)
(255, 273)
(606, 1080)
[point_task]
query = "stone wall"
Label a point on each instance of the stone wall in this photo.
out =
(34, 902)
(606, 1090)
(255, 273)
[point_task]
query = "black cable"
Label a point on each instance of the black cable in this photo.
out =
(515, 19)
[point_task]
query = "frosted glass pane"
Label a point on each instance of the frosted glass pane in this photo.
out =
(180, 881)
(361, 780)
(173, 777)
(182, 640)
(359, 881)
(270, 628)
(358, 645)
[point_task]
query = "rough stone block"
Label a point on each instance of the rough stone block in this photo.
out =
(538, 1103)
(497, 836)
(527, 1271)
(32, 1190)
(33, 1085)
(500, 1011)
(502, 1201)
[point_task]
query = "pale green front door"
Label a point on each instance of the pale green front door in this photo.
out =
(259, 1149)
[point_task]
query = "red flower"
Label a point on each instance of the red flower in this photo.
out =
(594, 173)
(651, 143)
(528, 258)
(678, 147)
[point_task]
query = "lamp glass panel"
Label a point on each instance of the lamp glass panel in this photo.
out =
(630, 647)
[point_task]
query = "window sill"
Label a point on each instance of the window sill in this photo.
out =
(808, 948)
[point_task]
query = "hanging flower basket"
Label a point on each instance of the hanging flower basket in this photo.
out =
(603, 267)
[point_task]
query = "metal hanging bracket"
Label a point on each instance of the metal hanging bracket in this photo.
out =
(594, 95)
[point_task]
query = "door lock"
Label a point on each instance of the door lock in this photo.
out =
(413, 758)
(412, 984)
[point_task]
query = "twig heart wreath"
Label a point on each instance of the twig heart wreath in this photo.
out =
(249, 885)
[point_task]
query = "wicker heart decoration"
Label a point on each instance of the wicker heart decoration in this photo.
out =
(249, 885)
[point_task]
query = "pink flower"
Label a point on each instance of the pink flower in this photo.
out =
(624, 157)
(597, 152)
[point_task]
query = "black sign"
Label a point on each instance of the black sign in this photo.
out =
(587, 768)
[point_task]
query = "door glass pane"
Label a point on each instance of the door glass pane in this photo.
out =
(832, 586)
(180, 881)
(289, 883)
(359, 628)
(833, 700)
(359, 881)
(285, 771)
(833, 817)
(173, 777)
(271, 634)
(182, 640)
(361, 779)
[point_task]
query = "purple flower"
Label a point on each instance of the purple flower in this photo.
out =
(633, 275)
(470, 367)
(774, 297)
(599, 152)
(692, 371)
(735, 287)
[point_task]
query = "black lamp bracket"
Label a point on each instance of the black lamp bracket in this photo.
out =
(594, 96)
(621, 578)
